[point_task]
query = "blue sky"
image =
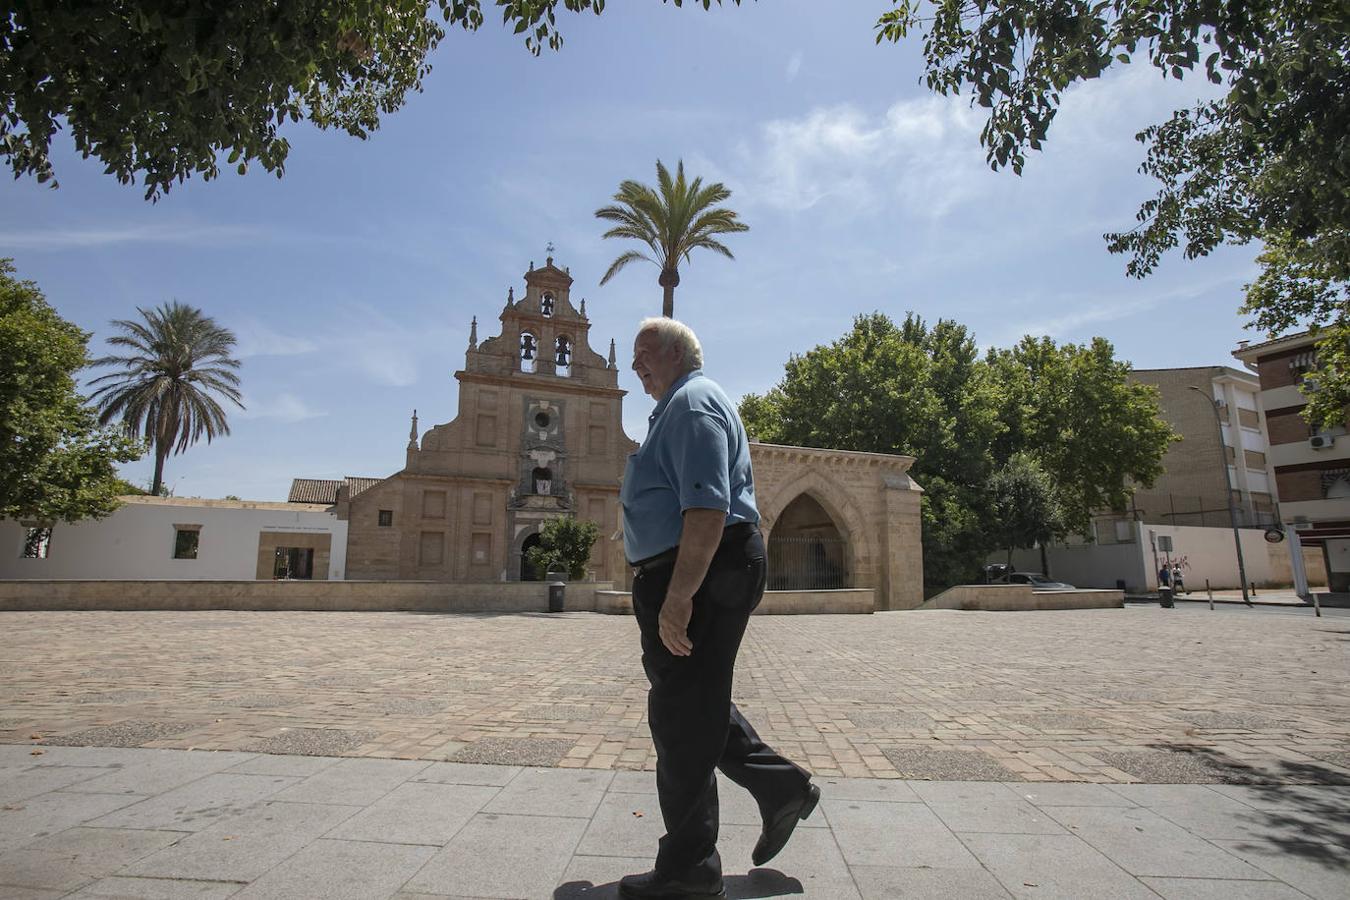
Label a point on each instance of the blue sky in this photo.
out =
(351, 281)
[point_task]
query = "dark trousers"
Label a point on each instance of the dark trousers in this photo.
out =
(695, 726)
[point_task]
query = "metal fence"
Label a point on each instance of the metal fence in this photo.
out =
(807, 564)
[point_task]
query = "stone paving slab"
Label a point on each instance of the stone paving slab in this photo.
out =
(1094, 696)
(870, 838)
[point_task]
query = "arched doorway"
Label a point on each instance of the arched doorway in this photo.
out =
(527, 572)
(807, 551)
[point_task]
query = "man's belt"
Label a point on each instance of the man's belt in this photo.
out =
(740, 531)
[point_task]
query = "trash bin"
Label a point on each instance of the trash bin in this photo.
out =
(556, 592)
(1165, 598)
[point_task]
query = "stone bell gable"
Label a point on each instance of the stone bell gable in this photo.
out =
(538, 435)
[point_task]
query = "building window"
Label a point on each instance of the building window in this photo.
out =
(542, 480)
(294, 563)
(546, 304)
(185, 542)
(37, 542)
(386, 518)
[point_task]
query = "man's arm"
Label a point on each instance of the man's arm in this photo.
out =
(699, 537)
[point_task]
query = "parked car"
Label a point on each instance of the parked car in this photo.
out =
(1037, 581)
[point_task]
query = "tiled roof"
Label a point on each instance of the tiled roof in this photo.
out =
(357, 483)
(325, 490)
(313, 490)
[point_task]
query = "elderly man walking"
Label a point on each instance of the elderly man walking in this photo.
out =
(691, 536)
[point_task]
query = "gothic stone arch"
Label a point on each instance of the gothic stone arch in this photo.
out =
(838, 505)
(872, 502)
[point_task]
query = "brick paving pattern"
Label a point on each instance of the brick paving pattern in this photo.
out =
(1112, 696)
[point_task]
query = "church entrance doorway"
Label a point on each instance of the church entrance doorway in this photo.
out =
(527, 572)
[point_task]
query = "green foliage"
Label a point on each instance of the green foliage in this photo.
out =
(906, 389)
(1023, 504)
(127, 489)
(55, 462)
(1268, 161)
(1300, 282)
(159, 92)
(1092, 429)
(564, 546)
(674, 220)
(163, 387)
(924, 392)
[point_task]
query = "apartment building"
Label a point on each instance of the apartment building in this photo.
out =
(1217, 412)
(1311, 465)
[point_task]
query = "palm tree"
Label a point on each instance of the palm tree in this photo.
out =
(675, 219)
(163, 387)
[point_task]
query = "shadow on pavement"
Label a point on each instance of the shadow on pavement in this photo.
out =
(1298, 818)
(758, 883)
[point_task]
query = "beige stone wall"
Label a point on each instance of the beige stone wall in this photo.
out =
(872, 501)
(849, 601)
(359, 596)
(1014, 597)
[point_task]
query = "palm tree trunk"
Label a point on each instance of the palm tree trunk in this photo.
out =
(669, 280)
(160, 454)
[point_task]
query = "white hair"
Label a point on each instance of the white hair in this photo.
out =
(672, 333)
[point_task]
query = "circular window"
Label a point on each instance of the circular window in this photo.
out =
(541, 419)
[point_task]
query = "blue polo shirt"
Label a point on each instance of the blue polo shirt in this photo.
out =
(697, 456)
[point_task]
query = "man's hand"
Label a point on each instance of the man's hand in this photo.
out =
(699, 536)
(674, 625)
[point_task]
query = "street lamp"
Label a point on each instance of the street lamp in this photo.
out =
(1228, 483)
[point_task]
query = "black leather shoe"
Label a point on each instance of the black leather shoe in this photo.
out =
(652, 884)
(779, 827)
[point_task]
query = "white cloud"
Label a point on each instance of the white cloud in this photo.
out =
(794, 66)
(66, 238)
(257, 339)
(285, 407)
(921, 153)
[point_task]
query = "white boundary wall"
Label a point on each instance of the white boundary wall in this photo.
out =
(136, 542)
(1207, 553)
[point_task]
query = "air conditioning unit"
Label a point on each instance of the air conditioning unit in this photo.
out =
(1322, 441)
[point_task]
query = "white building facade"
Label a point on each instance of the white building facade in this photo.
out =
(181, 539)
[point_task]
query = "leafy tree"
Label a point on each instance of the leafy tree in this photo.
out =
(906, 389)
(127, 489)
(1267, 161)
(1296, 286)
(55, 462)
(158, 92)
(564, 546)
(674, 220)
(924, 392)
(163, 388)
(1094, 431)
(1023, 505)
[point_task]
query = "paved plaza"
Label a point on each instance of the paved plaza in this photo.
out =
(1108, 696)
(386, 755)
(165, 824)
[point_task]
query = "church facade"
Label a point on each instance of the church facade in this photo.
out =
(538, 434)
